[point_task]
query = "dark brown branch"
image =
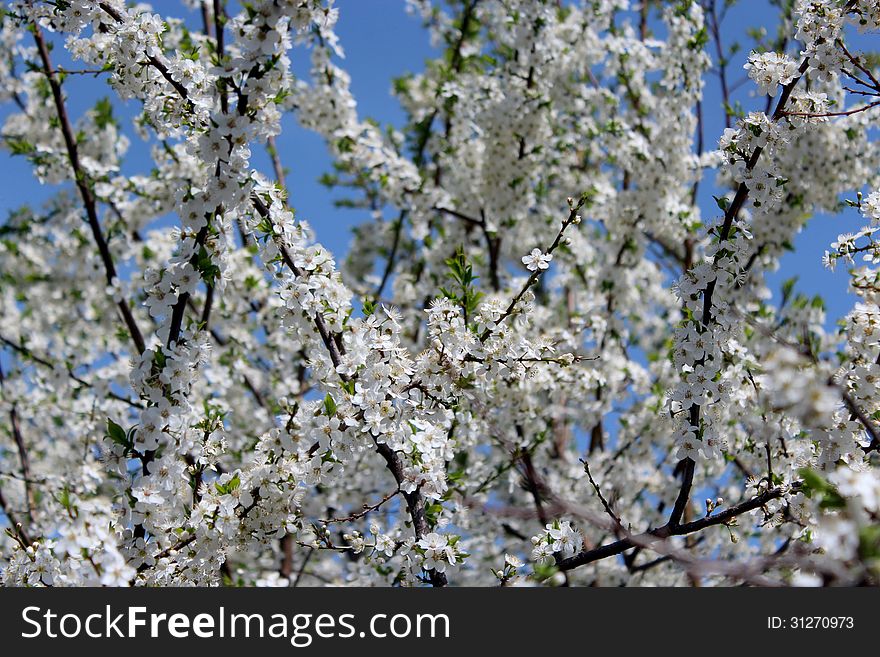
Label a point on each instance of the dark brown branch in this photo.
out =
(415, 504)
(17, 528)
(389, 266)
(533, 484)
(157, 63)
(286, 544)
(367, 508)
(302, 567)
(822, 115)
(277, 167)
(651, 536)
(414, 501)
(22, 451)
(83, 185)
(458, 215)
(733, 210)
(614, 517)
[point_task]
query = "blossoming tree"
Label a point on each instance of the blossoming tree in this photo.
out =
(536, 372)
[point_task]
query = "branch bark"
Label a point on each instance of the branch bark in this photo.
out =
(646, 539)
(83, 185)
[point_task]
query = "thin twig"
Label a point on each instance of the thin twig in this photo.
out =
(367, 508)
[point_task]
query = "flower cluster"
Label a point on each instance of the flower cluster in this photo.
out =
(769, 70)
(198, 391)
(557, 539)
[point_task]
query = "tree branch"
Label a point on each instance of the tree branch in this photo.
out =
(646, 539)
(83, 185)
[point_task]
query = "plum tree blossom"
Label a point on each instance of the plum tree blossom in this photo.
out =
(195, 391)
(537, 260)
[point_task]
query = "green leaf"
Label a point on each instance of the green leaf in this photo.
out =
(787, 289)
(812, 481)
(20, 146)
(345, 144)
(869, 542)
(206, 266)
(104, 113)
(64, 498)
(229, 486)
(329, 405)
(117, 434)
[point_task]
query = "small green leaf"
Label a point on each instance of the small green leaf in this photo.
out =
(329, 405)
(116, 433)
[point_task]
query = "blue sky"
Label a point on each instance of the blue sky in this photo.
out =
(381, 42)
